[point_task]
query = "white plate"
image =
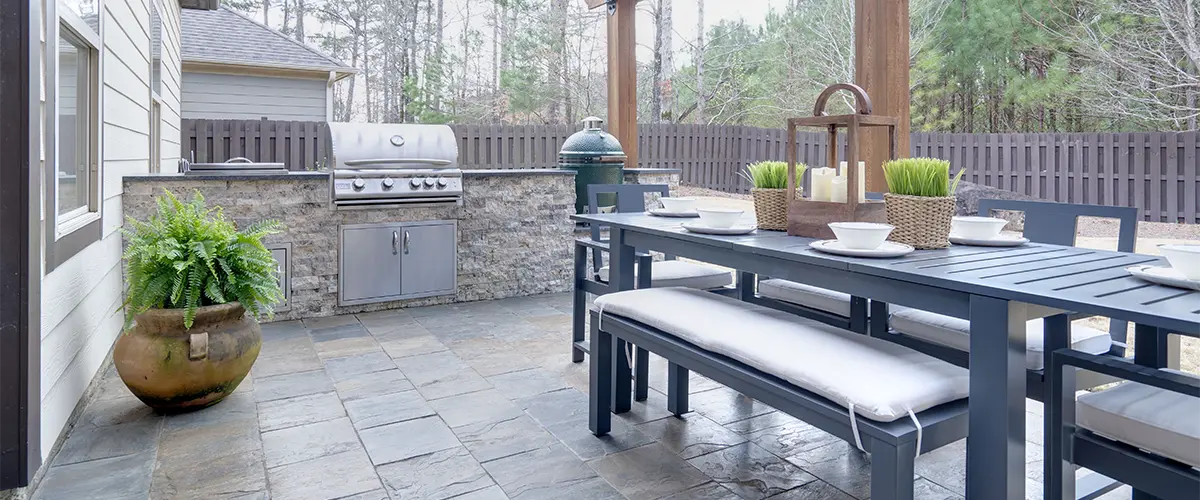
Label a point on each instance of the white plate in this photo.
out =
(662, 212)
(1164, 276)
(1003, 240)
(696, 227)
(886, 250)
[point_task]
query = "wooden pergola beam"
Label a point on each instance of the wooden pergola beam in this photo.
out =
(881, 40)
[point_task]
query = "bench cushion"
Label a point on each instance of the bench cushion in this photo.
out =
(953, 332)
(809, 296)
(1164, 422)
(883, 380)
(679, 273)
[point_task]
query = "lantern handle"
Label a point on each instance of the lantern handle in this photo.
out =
(861, 99)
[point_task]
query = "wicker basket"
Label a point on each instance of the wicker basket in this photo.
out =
(922, 222)
(770, 208)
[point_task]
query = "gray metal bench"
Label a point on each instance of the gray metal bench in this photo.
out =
(692, 330)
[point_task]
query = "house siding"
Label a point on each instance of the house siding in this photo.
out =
(247, 97)
(81, 297)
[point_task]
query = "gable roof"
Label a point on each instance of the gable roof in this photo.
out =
(226, 37)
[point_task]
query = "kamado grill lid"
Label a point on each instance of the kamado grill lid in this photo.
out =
(591, 145)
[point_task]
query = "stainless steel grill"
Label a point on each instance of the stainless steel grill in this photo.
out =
(377, 164)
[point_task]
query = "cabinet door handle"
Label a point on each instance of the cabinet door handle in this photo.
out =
(406, 238)
(394, 238)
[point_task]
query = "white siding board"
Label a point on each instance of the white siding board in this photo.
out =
(117, 169)
(224, 96)
(125, 112)
(66, 287)
(133, 48)
(72, 333)
(114, 218)
(123, 144)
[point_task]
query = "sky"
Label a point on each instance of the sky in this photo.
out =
(684, 21)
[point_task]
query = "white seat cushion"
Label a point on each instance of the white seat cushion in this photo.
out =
(806, 295)
(1163, 422)
(883, 380)
(954, 333)
(679, 273)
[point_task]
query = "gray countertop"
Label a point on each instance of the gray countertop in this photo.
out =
(323, 176)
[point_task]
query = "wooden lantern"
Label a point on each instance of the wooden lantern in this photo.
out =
(811, 218)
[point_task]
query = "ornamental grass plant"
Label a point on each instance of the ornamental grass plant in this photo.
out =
(187, 256)
(926, 177)
(770, 174)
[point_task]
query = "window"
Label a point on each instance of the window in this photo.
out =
(155, 88)
(72, 135)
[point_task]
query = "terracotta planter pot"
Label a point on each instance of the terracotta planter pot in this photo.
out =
(921, 222)
(174, 370)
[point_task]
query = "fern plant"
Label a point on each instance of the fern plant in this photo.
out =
(929, 177)
(188, 256)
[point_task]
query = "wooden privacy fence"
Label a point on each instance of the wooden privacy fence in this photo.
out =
(1155, 171)
(298, 145)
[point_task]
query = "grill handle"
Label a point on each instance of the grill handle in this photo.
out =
(406, 242)
(394, 238)
(397, 161)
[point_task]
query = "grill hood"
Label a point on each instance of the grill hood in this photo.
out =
(368, 146)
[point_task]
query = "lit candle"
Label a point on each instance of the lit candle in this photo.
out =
(822, 182)
(838, 190)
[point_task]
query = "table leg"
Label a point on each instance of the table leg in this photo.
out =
(1149, 350)
(1059, 410)
(621, 277)
(746, 285)
(996, 435)
(578, 304)
(600, 380)
(641, 357)
(878, 320)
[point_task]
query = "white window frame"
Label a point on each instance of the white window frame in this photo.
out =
(156, 103)
(67, 234)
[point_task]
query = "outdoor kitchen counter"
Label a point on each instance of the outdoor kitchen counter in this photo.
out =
(514, 230)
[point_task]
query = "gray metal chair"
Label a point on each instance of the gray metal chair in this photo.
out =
(1045, 222)
(630, 198)
(1151, 446)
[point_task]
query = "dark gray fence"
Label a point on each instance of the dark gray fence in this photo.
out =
(1154, 171)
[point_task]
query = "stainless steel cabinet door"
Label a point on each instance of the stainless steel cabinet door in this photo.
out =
(282, 254)
(429, 258)
(370, 263)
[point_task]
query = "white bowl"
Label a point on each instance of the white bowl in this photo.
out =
(720, 218)
(977, 228)
(861, 235)
(678, 205)
(1184, 258)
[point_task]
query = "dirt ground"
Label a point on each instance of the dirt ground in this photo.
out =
(1096, 233)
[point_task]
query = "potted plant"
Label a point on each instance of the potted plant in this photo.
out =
(920, 201)
(195, 286)
(769, 180)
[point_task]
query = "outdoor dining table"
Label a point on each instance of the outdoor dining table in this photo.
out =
(996, 289)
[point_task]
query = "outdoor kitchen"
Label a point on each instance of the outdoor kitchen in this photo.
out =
(395, 222)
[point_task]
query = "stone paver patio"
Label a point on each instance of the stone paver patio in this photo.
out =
(470, 401)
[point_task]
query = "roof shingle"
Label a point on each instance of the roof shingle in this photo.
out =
(224, 36)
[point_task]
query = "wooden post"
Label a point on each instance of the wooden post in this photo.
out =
(881, 39)
(622, 78)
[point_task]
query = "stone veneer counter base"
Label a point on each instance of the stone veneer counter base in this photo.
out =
(514, 230)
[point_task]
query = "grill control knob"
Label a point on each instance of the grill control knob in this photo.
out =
(415, 183)
(359, 184)
(441, 182)
(429, 182)
(388, 183)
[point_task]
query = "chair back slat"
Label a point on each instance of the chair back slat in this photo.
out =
(1056, 224)
(631, 198)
